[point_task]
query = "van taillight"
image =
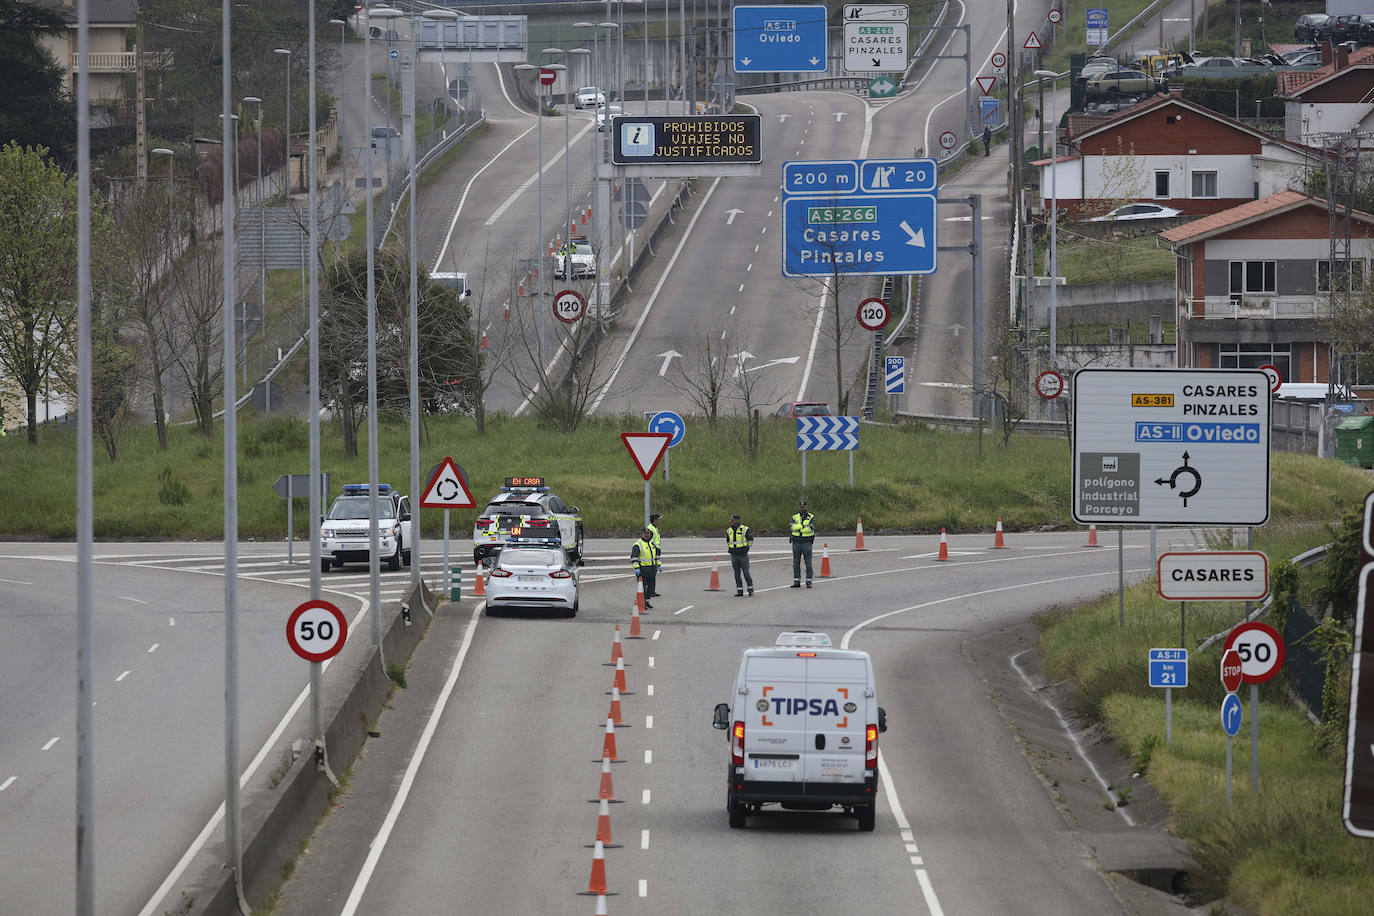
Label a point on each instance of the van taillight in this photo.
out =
(871, 747)
(737, 745)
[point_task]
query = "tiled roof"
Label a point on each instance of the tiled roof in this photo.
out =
(1252, 211)
(1174, 99)
(1293, 82)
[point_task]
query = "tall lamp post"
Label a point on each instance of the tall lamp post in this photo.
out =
(286, 185)
(343, 109)
(539, 226)
(262, 217)
(171, 250)
(567, 133)
(1054, 214)
(232, 261)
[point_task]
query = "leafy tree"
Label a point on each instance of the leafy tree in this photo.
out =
(35, 108)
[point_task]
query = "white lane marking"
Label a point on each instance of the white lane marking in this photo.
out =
(1073, 736)
(643, 839)
(16, 581)
(751, 266)
(655, 636)
(7, 783)
(764, 231)
(171, 621)
(529, 183)
(123, 676)
(741, 288)
(722, 335)
(51, 742)
(453, 223)
(374, 853)
(756, 249)
(648, 721)
(153, 647)
(651, 662)
(644, 797)
(890, 793)
(732, 310)
(643, 887)
(690, 606)
(134, 600)
(268, 746)
(658, 287)
(815, 338)
(648, 757)
(650, 690)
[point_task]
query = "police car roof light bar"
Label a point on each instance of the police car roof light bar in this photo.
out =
(364, 487)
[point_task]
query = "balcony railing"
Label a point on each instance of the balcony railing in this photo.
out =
(1255, 305)
(123, 61)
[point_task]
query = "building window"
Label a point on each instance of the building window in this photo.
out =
(1204, 184)
(1254, 355)
(1355, 279)
(1249, 277)
(1161, 184)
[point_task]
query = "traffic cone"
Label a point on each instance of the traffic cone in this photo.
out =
(485, 345)
(639, 596)
(520, 291)
(600, 905)
(606, 790)
(859, 536)
(619, 682)
(608, 743)
(507, 308)
(596, 885)
(1092, 536)
(479, 587)
(944, 546)
(634, 624)
(603, 827)
(616, 650)
(825, 561)
(614, 714)
(713, 585)
(997, 540)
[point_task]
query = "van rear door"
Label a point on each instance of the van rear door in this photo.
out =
(774, 715)
(836, 719)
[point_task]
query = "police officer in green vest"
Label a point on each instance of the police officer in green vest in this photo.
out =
(803, 534)
(657, 538)
(738, 539)
(645, 563)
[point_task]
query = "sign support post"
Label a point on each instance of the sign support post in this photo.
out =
(646, 451)
(1260, 651)
(448, 570)
(1254, 738)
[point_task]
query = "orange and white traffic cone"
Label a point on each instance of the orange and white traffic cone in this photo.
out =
(520, 291)
(639, 596)
(608, 743)
(507, 309)
(997, 540)
(614, 714)
(634, 624)
(859, 536)
(485, 345)
(479, 585)
(596, 885)
(606, 790)
(616, 651)
(1092, 536)
(603, 827)
(713, 584)
(825, 561)
(944, 546)
(600, 905)
(619, 682)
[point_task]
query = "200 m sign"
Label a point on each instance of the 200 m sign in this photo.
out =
(316, 630)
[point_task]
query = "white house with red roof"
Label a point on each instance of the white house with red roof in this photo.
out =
(1169, 151)
(1253, 283)
(1334, 98)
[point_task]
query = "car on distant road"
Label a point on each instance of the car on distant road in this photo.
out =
(384, 131)
(802, 409)
(527, 512)
(1307, 27)
(532, 577)
(1123, 82)
(589, 97)
(1136, 211)
(605, 113)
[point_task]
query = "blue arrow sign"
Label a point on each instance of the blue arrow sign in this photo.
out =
(858, 234)
(886, 176)
(894, 382)
(780, 39)
(1231, 714)
(817, 425)
(665, 421)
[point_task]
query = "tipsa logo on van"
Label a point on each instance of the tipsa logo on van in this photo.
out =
(811, 706)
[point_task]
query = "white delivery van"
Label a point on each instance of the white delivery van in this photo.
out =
(803, 727)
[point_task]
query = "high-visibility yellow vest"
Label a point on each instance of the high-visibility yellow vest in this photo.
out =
(737, 537)
(802, 525)
(643, 554)
(656, 539)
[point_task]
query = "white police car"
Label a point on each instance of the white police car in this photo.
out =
(344, 533)
(528, 513)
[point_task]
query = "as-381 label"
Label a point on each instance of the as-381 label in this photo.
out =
(1152, 400)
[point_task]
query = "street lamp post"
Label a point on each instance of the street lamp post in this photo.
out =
(343, 109)
(242, 320)
(1054, 214)
(286, 184)
(171, 253)
(539, 249)
(262, 218)
(567, 133)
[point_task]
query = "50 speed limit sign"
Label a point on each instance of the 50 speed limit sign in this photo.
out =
(316, 631)
(568, 306)
(873, 314)
(1260, 648)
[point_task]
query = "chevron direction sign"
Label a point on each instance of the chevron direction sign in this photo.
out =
(827, 434)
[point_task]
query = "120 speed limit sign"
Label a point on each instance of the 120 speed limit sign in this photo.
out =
(873, 314)
(316, 631)
(1260, 648)
(568, 306)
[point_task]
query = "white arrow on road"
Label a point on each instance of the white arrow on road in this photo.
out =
(774, 362)
(739, 359)
(781, 118)
(917, 236)
(839, 116)
(734, 212)
(956, 328)
(668, 357)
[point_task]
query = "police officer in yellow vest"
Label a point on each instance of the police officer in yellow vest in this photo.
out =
(739, 537)
(645, 563)
(803, 533)
(657, 539)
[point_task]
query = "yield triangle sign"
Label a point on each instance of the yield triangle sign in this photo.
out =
(986, 83)
(1032, 42)
(447, 490)
(646, 449)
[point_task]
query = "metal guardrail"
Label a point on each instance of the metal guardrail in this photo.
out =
(426, 159)
(1302, 561)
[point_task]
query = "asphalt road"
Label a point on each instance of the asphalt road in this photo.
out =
(477, 795)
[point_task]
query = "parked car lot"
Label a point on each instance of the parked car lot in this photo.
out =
(1307, 27)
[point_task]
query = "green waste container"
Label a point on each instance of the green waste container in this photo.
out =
(455, 583)
(1355, 441)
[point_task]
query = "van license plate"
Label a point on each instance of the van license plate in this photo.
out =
(769, 764)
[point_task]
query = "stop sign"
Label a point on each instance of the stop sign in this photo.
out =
(547, 76)
(1231, 671)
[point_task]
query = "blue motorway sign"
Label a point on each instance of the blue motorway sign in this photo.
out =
(1168, 667)
(827, 434)
(990, 109)
(780, 39)
(894, 380)
(1231, 714)
(665, 421)
(858, 235)
(875, 176)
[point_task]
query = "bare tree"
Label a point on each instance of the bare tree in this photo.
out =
(703, 377)
(196, 324)
(750, 388)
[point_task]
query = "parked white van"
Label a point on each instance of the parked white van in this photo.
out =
(803, 729)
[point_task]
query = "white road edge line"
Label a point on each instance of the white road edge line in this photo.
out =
(134, 600)
(643, 887)
(457, 211)
(123, 676)
(379, 842)
(644, 797)
(51, 742)
(7, 783)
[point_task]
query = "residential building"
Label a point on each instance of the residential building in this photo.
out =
(110, 42)
(1334, 98)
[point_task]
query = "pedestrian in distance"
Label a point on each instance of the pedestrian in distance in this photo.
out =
(658, 550)
(987, 140)
(645, 564)
(803, 535)
(739, 538)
